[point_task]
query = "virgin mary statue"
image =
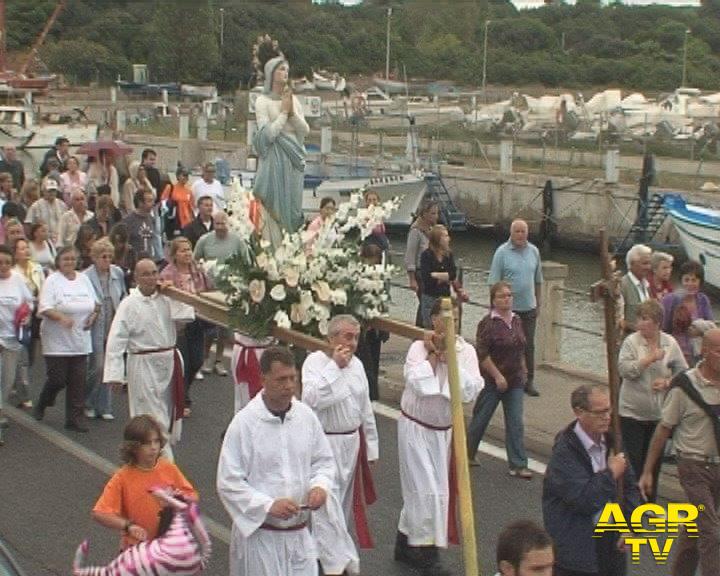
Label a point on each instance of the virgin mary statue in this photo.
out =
(280, 144)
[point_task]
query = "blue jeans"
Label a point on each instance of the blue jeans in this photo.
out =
(98, 396)
(485, 405)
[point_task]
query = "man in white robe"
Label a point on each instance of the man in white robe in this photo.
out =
(424, 445)
(275, 467)
(144, 328)
(336, 388)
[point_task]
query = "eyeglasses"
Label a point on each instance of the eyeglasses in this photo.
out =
(602, 413)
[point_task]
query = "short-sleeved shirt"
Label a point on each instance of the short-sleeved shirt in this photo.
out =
(75, 298)
(13, 292)
(693, 430)
(127, 495)
(521, 267)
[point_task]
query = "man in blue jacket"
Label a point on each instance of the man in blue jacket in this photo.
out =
(581, 478)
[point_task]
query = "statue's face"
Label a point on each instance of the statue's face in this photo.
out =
(280, 75)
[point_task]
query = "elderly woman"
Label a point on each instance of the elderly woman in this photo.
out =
(42, 250)
(501, 351)
(15, 297)
(438, 272)
(660, 273)
(69, 308)
(30, 193)
(685, 306)
(108, 281)
(424, 438)
(648, 360)
(185, 275)
(33, 275)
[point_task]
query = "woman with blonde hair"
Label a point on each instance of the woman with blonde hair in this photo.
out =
(185, 275)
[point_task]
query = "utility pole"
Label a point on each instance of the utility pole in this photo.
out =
(684, 65)
(485, 50)
(387, 46)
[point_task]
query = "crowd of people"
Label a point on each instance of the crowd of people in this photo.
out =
(84, 263)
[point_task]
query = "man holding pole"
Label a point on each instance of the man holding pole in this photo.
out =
(582, 476)
(427, 519)
(336, 388)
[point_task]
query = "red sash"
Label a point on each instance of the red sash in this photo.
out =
(248, 368)
(453, 535)
(363, 486)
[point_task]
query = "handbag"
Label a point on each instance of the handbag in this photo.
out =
(23, 330)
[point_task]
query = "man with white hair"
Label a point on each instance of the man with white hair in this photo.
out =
(74, 218)
(517, 261)
(335, 386)
(634, 286)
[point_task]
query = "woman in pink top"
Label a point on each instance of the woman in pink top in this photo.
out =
(184, 274)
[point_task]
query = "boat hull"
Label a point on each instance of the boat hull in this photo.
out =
(699, 231)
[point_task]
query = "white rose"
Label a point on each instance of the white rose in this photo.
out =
(282, 319)
(278, 293)
(292, 276)
(322, 289)
(323, 327)
(257, 290)
(262, 260)
(338, 297)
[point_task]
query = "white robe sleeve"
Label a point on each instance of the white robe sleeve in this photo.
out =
(180, 312)
(117, 345)
(370, 426)
(418, 371)
(471, 381)
(322, 382)
(247, 506)
(322, 467)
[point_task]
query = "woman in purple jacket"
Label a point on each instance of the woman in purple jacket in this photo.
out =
(683, 307)
(501, 353)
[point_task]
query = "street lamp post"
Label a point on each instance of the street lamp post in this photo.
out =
(222, 27)
(387, 46)
(684, 65)
(485, 49)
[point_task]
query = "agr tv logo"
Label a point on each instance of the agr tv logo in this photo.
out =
(651, 519)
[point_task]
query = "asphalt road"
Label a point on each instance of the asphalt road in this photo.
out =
(50, 479)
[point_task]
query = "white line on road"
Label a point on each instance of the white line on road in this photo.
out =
(218, 530)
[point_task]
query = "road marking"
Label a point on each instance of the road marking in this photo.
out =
(216, 529)
(92, 459)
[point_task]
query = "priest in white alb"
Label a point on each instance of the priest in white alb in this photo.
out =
(275, 471)
(427, 518)
(144, 329)
(336, 388)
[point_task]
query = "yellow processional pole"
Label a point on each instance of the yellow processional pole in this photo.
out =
(467, 519)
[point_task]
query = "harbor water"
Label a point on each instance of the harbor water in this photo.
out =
(474, 252)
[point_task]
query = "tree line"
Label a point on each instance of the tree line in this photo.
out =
(582, 45)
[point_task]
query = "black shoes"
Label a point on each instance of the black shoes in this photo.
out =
(425, 559)
(76, 427)
(39, 411)
(530, 390)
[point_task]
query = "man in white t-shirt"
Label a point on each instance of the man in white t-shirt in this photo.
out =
(209, 186)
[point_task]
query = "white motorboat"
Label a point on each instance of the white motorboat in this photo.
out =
(699, 230)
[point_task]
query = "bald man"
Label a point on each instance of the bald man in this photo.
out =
(689, 413)
(517, 261)
(144, 328)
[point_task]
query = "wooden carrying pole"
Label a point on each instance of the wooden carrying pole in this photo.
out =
(609, 296)
(467, 520)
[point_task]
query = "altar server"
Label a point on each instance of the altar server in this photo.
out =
(275, 467)
(144, 328)
(336, 388)
(427, 519)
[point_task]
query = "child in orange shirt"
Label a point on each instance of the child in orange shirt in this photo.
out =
(126, 503)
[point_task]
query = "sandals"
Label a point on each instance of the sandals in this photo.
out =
(523, 473)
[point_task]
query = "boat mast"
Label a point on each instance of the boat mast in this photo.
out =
(39, 42)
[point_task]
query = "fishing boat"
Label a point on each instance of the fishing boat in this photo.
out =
(699, 230)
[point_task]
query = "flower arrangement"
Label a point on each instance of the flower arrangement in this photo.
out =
(308, 278)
